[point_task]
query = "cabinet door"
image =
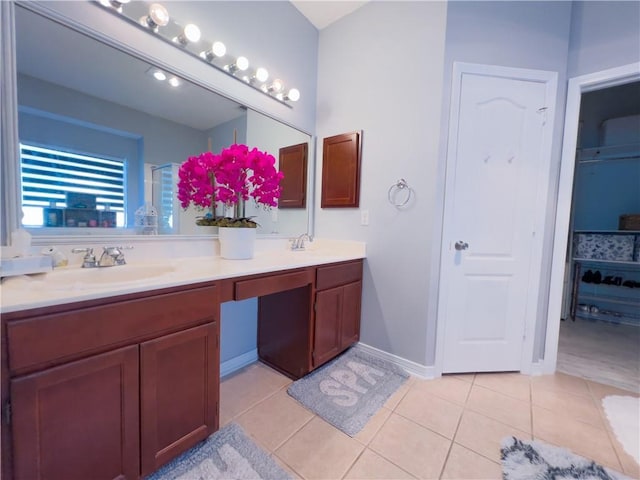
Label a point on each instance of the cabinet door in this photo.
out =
(179, 393)
(78, 420)
(351, 301)
(327, 339)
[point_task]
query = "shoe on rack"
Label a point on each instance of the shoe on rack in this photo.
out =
(617, 281)
(608, 280)
(597, 277)
(587, 277)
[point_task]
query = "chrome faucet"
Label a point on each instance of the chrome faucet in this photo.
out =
(111, 256)
(298, 243)
(89, 260)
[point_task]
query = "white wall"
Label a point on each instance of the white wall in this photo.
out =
(380, 71)
(604, 35)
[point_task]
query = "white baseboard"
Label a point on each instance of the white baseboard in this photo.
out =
(236, 363)
(422, 371)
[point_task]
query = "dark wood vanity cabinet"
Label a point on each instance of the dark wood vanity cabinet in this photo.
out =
(337, 310)
(112, 388)
(312, 320)
(115, 388)
(78, 420)
(179, 378)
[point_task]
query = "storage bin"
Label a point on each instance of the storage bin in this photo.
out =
(598, 246)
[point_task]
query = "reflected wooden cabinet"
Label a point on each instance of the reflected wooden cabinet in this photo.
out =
(293, 164)
(111, 388)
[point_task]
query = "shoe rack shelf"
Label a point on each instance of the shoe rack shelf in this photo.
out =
(606, 290)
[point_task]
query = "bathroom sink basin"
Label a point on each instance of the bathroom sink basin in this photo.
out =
(118, 274)
(91, 278)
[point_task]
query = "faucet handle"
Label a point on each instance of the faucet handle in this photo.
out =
(89, 260)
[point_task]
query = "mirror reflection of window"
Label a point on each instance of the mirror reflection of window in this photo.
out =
(54, 181)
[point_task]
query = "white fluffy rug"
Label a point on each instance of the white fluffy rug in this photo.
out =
(623, 413)
(536, 460)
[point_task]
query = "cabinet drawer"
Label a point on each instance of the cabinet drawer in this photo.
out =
(49, 339)
(257, 287)
(336, 275)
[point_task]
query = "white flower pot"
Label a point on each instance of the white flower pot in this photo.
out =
(236, 243)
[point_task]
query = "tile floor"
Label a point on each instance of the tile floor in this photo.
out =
(448, 428)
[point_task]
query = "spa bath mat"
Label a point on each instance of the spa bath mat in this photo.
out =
(227, 454)
(349, 390)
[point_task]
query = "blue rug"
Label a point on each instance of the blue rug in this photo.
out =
(227, 454)
(349, 390)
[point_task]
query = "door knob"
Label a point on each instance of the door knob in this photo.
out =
(460, 245)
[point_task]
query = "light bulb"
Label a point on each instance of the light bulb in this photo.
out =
(262, 74)
(242, 63)
(158, 15)
(192, 33)
(174, 82)
(159, 75)
(293, 95)
(218, 49)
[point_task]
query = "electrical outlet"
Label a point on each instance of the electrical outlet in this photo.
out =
(364, 217)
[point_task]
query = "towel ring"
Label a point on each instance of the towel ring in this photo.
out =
(397, 187)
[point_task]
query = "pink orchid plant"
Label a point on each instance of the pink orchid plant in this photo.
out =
(231, 177)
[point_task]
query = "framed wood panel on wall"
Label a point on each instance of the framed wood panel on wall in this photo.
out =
(292, 162)
(341, 170)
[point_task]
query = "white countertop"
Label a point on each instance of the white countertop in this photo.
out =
(72, 284)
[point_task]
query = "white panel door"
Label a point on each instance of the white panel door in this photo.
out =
(497, 149)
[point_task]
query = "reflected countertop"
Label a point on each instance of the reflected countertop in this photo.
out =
(73, 283)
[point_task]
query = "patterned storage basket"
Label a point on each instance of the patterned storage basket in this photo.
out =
(597, 246)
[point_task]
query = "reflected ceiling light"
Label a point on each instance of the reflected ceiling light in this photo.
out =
(293, 95)
(241, 64)
(218, 50)
(159, 75)
(158, 17)
(190, 33)
(174, 82)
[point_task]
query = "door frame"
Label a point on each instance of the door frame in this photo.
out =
(576, 87)
(550, 79)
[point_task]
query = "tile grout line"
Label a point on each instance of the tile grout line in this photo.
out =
(453, 438)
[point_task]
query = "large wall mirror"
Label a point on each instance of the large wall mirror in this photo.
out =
(102, 135)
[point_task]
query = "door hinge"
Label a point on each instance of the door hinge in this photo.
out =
(7, 413)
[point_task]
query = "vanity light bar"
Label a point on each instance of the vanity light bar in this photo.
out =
(189, 39)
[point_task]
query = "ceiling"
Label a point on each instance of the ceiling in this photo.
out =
(323, 13)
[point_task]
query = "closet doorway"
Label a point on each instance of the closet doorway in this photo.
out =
(599, 335)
